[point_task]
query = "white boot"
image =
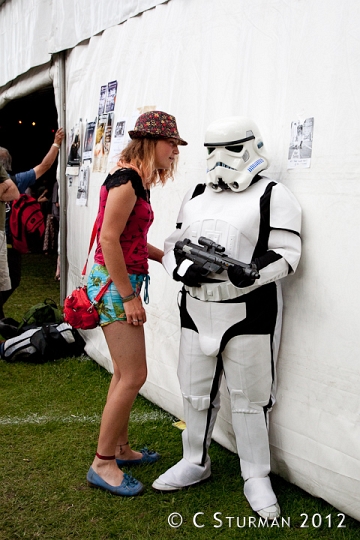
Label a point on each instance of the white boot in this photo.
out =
(270, 512)
(261, 497)
(181, 475)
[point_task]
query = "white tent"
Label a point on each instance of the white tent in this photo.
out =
(277, 62)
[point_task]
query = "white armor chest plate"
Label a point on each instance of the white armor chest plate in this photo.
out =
(229, 219)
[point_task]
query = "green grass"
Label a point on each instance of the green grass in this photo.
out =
(37, 283)
(49, 421)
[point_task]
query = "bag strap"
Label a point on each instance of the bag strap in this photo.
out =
(106, 285)
(92, 240)
(102, 291)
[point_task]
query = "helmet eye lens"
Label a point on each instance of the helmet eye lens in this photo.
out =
(236, 148)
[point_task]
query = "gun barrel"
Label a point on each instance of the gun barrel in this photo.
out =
(251, 273)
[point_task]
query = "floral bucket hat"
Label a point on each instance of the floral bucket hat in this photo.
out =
(156, 125)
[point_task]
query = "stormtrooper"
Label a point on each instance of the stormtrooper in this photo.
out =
(230, 321)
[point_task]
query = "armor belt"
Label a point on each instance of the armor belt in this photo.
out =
(225, 290)
(216, 292)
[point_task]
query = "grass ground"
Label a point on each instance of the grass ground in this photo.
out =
(49, 420)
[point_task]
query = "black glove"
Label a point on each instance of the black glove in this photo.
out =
(193, 276)
(238, 278)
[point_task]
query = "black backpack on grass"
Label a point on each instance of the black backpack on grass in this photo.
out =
(40, 345)
(41, 336)
(39, 314)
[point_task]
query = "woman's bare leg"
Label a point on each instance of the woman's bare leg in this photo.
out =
(127, 348)
(123, 450)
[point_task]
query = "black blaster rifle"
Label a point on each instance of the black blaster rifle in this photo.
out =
(211, 257)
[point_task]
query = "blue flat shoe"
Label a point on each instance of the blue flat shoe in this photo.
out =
(148, 456)
(129, 487)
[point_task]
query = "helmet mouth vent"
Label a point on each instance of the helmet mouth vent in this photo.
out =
(221, 164)
(222, 185)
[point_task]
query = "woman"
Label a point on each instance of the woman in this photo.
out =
(125, 213)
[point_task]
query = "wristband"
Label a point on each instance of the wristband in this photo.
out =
(56, 144)
(128, 298)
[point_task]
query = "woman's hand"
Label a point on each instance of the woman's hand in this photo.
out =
(135, 312)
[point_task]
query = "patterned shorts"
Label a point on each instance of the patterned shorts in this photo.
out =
(110, 307)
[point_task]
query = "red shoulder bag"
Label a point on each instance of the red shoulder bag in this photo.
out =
(78, 310)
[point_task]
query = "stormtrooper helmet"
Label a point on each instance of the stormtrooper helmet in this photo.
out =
(236, 153)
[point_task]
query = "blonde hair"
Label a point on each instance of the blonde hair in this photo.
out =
(141, 154)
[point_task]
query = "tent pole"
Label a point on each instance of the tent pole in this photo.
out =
(62, 184)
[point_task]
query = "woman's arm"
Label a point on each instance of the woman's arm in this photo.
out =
(155, 254)
(51, 155)
(119, 205)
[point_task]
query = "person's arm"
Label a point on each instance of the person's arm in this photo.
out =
(155, 254)
(43, 197)
(283, 243)
(8, 191)
(119, 205)
(51, 155)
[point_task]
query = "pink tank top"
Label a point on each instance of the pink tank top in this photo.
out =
(137, 226)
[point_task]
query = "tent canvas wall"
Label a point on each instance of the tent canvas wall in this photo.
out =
(276, 62)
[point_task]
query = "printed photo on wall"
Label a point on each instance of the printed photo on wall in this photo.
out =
(74, 149)
(99, 142)
(119, 140)
(83, 187)
(102, 100)
(111, 96)
(300, 147)
(107, 141)
(89, 140)
(102, 142)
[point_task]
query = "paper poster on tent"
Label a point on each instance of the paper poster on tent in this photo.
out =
(74, 149)
(102, 100)
(103, 136)
(111, 96)
(119, 140)
(107, 141)
(300, 147)
(89, 138)
(83, 187)
(99, 142)
(121, 132)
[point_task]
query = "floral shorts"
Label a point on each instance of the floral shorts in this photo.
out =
(110, 307)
